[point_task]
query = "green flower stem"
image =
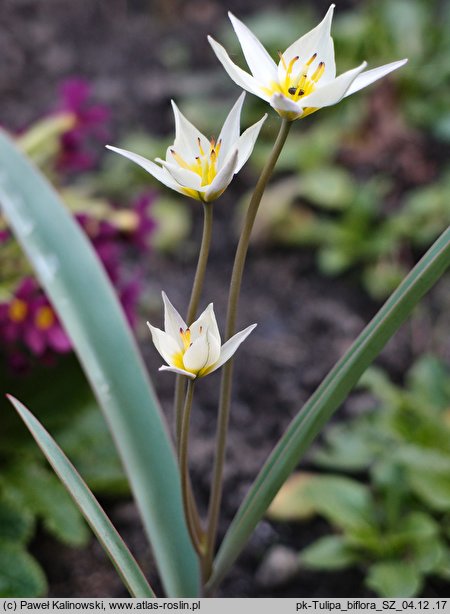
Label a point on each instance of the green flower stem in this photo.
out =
(184, 469)
(233, 300)
(193, 306)
(180, 389)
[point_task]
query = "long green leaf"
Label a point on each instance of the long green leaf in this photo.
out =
(73, 277)
(327, 398)
(99, 522)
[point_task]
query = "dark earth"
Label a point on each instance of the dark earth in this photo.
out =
(305, 321)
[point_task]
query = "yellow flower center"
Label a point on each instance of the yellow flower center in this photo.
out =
(44, 318)
(205, 165)
(177, 358)
(18, 310)
(298, 85)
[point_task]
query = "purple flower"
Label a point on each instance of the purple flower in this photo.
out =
(5, 235)
(129, 297)
(145, 223)
(78, 144)
(105, 238)
(45, 331)
(28, 320)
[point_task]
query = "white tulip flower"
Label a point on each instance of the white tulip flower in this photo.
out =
(196, 350)
(196, 166)
(305, 78)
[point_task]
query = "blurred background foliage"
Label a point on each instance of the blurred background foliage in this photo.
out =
(391, 511)
(365, 185)
(357, 176)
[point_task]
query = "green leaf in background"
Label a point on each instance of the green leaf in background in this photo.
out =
(329, 553)
(20, 574)
(328, 397)
(32, 487)
(394, 579)
(345, 503)
(346, 450)
(328, 187)
(429, 381)
(75, 281)
(88, 444)
(16, 524)
(290, 503)
(111, 541)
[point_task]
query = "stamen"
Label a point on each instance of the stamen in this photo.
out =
(186, 338)
(212, 165)
(200, 146)
(311, 59)
(218, 146)
(318, 72)
(282, 60)
(289, 71)
(179, 160)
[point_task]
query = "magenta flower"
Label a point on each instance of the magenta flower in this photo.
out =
(45, 331)
(129, 297)
(145, 223)
(29, 321)
(78, 144)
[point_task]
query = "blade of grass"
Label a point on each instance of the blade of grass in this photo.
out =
(75, 281)
(112, 543)
(327, 398)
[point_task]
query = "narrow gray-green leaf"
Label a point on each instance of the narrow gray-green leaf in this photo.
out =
(327, 398)
(107, 535)
(74, 279)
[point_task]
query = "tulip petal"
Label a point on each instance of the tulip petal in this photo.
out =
(196, 356)
(284, 105)
(332, 92)
(247, 141)
(206, 322)
(259, 61)
(186, 178)
(187, 136)
(230, 347)
(369, 76)
(161, 174)
(164, 343)
(214, 350)
(222, 179)
(173, 321)
(239, 76)
(177, 371)
(319, 41)
(231, 129)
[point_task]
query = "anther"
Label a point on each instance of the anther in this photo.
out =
(318, 72)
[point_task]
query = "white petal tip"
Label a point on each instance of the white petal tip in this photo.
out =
(177, 371)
